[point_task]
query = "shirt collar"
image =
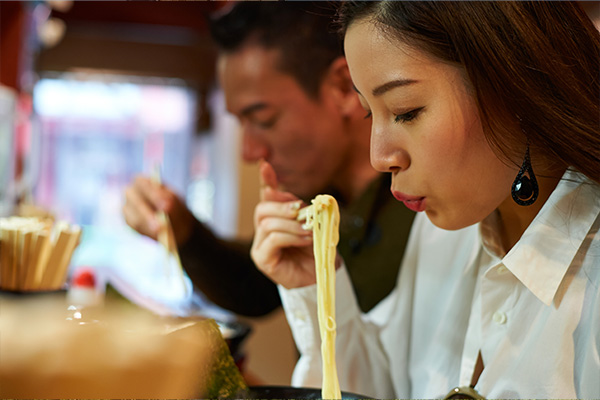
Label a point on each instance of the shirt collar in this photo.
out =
(541, 258)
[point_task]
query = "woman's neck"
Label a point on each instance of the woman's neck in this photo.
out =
(514, 219)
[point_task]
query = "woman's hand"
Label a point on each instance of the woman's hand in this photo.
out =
(281, 249)
(144, 198)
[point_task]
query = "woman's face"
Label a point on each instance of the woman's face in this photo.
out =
(426, 130)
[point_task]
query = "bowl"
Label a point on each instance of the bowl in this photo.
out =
(234, 333)
(289, 392)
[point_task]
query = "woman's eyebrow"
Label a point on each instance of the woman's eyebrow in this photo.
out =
(381, 89)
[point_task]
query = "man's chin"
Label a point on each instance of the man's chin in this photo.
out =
(298, 191)
(307, 195)
(298, 187)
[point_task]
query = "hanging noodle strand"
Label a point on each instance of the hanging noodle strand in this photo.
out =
(324, 218)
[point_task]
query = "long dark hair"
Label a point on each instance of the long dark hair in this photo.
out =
(532, 65)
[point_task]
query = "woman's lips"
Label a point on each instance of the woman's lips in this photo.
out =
(414, 203)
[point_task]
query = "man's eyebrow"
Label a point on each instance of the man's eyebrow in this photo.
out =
(381, 89)
(252, 108)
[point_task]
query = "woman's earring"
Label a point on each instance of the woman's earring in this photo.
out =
(525, 188)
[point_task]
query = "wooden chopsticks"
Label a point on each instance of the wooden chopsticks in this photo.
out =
(166, 238)
(35, 254)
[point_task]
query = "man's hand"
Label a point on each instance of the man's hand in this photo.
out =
(144, 198)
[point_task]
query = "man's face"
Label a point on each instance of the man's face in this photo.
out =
(301, 137)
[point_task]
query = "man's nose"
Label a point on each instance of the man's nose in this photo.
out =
(253, 149)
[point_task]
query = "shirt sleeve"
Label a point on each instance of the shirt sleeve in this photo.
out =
(362, 363)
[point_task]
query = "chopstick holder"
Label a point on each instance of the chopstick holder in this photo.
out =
(7, 254)
(13, 235)
(25, 252)
(34, 254)
(40, 259)
(60, 275)
(59, 248)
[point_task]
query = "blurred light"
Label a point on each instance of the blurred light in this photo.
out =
(71, 98)
(51, 31)
(60, 5)
(164, 109)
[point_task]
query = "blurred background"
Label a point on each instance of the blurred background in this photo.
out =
(93, 93)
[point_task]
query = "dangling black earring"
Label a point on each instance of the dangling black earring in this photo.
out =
(525, 189)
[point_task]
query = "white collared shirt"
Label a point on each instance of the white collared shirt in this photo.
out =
(534, 313)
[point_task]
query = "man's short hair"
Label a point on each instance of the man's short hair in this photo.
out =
(302, 32)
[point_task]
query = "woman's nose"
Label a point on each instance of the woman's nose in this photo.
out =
(387, 152)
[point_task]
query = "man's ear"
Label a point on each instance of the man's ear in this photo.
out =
(340, 85)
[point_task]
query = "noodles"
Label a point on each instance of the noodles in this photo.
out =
(324, 218)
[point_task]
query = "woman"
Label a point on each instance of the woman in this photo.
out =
(487, 116)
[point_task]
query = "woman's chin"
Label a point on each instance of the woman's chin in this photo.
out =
(448, 222)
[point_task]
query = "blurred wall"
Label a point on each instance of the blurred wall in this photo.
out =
(12, 38)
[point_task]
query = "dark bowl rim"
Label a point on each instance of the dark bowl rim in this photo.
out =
(345, 394)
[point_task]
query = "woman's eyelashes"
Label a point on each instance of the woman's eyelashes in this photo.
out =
(404, 117)
(408, 116)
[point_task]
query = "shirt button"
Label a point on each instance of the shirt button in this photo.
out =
(502, 270)
(499, 317)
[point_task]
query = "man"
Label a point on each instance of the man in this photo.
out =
(285, 78)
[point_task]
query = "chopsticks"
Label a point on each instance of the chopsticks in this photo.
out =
(166, 238)
(35, 254)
